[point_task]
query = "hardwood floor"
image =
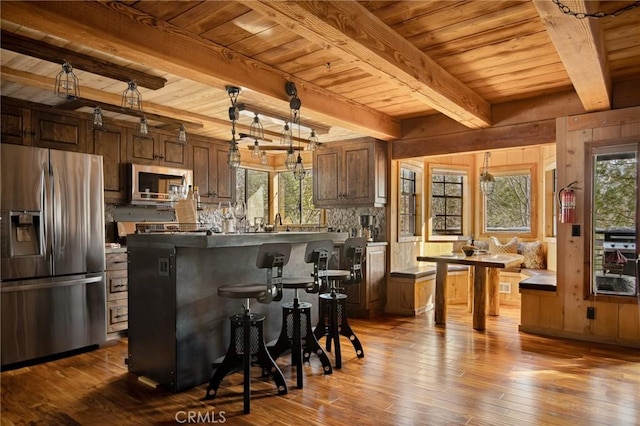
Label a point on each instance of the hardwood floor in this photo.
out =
(413, 373)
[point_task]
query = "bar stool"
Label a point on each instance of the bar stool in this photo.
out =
(332, 318)
(247, 346)
(296, 333)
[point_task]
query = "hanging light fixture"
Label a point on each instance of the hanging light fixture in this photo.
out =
(487, 181)
(131, 97)
(98, 119)
(312, 142)
(286, 136)
(256, 131)
(263, 158)
(67, 85)
(182, 134)
(233, 155)
(143, 127)
(290, 160)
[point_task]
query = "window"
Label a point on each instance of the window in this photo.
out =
(252, 186)
(509, 209)
(447, 202)
(295, 199)
(613, 204)
(408, 205)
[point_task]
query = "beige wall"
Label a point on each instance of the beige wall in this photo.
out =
(564, 313)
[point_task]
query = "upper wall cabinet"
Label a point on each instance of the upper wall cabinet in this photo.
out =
(157, 148)
(16, 125)
(350, 174)
(111, 143)
(24, 126)
(215, 180)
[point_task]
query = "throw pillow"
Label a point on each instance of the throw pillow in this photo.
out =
(496, 247)
(533, 254)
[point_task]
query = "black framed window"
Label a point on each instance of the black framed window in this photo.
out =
(447, 203)
(407, 208)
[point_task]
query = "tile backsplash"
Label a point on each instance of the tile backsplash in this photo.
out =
(347, 219)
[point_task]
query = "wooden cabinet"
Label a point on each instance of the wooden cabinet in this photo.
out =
(58, 131)
(111, 143)
(216, 181)
(16, 125)
(117, 293)
(351, 174)
(24, 126)
(158, 148)
(369, 297)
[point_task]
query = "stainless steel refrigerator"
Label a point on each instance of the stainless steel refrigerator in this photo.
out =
(52, 287)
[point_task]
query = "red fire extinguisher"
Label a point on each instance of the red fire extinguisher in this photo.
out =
(567, 198)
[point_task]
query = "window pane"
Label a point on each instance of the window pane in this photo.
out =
(295, 199)
(509, 207)
(252, 186)
(447, 203)
(454, 207)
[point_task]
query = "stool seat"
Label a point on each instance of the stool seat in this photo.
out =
(243, 291)
(301, 283)
(338, 274)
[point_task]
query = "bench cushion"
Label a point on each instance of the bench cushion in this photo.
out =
(545, 282)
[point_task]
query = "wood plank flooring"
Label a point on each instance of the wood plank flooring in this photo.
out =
(413, 373)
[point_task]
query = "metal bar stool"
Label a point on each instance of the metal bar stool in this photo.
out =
(247, 346)
(332, 318)
(296, 333)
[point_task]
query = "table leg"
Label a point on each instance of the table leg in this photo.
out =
(493, 290)
(441, 293)
(479, 296)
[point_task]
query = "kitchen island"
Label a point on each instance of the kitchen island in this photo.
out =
(178, 325)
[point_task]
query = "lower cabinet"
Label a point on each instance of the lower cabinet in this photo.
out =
(117, 292)
(369, 297)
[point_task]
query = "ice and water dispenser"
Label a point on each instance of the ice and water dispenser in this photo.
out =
(24, 234)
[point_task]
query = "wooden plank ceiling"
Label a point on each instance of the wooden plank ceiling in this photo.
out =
(360, 67)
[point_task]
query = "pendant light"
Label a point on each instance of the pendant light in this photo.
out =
(256, 131)
(131, 97)
(98, 119)
(312, 142)
(286, 137)
(290, 160)
(487, 181)
(233, 155)
(263, 158)
(182, 134)
(67, 85)
(143, 127)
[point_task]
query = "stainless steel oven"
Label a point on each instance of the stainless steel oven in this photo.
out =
(153, 184)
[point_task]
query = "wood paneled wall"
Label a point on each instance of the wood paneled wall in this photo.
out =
(564, 313)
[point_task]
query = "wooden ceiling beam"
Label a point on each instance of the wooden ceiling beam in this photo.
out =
(580, 44)
(56, 54)
(123, 31)
(358, 34)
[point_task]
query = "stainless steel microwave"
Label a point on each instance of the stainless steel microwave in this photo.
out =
(154, 184)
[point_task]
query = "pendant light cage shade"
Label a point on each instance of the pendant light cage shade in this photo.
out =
(182, 134)
(233, 155)
(98, 119)
(487, 181)
(286, 136)
(67, 85)
(312, 142)
(298, 171)
(143, 128)
(255, 152)
(256, 131)
(263, 158)
(290, 160)
(131, 97)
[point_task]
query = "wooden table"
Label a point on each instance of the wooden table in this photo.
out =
(482, 264)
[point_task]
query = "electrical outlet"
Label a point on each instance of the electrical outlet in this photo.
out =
(591, 312)
(575, 230)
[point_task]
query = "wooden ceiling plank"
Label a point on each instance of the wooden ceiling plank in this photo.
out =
(58, 55)
(580, 44)
(114, 27)
(353, 30)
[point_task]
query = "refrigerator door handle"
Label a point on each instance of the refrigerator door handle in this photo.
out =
(75, 281)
